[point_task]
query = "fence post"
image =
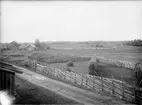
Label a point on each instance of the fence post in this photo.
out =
(122, 87)
(102, 82)
(46, 70)
(134, 88)
(65, 75)
(112, 86)
(49, 72)
(52, 72)
(70, 76)
(57, 73)
(82, 79)
(93, 82)
(36, 66)
(75, 78)
(86, 80)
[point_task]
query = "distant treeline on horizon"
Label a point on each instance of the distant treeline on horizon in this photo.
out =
(91, 41)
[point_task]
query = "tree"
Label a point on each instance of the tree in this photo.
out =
(138, 74)
(41, 45)
(44, 46)
(37, 43)
(68, 69)
(93, 68)
(70, 64)
(136, 42)
(13, 45)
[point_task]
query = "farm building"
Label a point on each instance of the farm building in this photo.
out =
(7, 77)
(29, 47)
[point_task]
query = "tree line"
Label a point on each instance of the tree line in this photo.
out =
(136, 42)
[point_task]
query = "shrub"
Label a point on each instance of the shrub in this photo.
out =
(138, 74)
(93, 67)
(26, 65)
(68, 69)
(13, 45)
(70, 64)
(99, 45)
(37, 43)
(41, 45)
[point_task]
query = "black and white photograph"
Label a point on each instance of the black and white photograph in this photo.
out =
(71, 52)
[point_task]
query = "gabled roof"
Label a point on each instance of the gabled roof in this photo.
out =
(8, 67)
(31, 45)
(26, 46)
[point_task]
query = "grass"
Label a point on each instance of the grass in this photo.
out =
(80, 67)
(106, 70)
(126, 53)
(120, 51)
(53, 56)
(28, 93)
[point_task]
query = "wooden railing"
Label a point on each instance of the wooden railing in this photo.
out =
(111, 86)
(119, 63)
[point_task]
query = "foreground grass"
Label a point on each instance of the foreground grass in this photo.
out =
(28, 93)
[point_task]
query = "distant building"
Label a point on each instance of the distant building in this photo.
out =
(29, 47)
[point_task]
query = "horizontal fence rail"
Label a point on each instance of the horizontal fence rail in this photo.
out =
(119, 63)
(112, 86)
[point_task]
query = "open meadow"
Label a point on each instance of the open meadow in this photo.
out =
(81, 53)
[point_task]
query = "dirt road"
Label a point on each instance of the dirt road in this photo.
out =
(69, 91)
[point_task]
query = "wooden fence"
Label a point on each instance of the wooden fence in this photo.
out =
(119, 63)
(111, 86)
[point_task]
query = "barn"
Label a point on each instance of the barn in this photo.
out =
(7, 77)
(27, 47)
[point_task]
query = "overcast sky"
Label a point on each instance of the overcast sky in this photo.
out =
(70, 20)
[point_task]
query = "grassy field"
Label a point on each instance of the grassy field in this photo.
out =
(53, 56)
(61, 52)
(67, 50)
(105, 70)
(27, 93)
(115, 50)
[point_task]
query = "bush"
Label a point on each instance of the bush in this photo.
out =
(93, 67)
(13, 45)
(68, 69)
(70, 64)
(138, 74)
(26, 65)
(99, 45)
(41, 45)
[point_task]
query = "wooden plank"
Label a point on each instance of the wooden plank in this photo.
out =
(10, 82)
(13, 84)
(0, 80)
(6, 79)
(3, 80)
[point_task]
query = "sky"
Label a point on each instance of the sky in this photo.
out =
(26, 21)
